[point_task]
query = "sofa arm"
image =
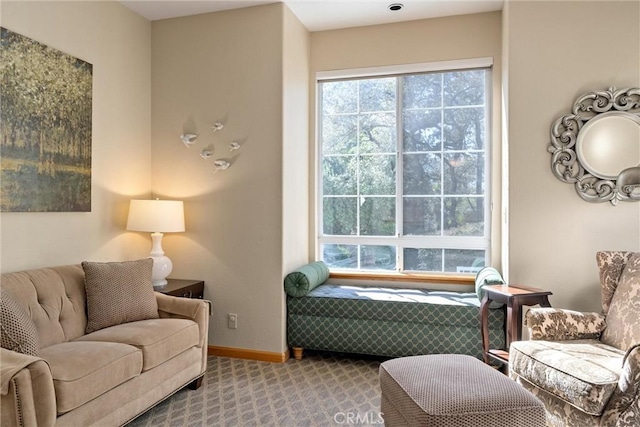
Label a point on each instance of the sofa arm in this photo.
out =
(197, 310)
(623, 408)
(553, 324)
(27, 395)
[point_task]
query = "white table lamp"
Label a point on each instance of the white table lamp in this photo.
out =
(157, 217)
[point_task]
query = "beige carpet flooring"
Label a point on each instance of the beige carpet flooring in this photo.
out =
(320, 390)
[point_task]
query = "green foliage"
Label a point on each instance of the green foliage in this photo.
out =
(340, 216)
(372, 257)
(340, 256)
(375, 257)
(339, 175)
(378, 175)
(422, 174)
(423, 259)
(378, 216)
(422, 216)
(45, 137)
(431, 259)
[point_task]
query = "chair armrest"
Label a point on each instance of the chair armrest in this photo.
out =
(622, 408)
(197, 310)
(27, 395)
(553, 324)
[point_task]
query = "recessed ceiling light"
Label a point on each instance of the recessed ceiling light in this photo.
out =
(395, 6)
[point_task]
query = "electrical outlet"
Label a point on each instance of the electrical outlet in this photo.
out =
(232, 321)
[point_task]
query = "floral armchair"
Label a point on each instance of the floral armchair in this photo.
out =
(585, 367)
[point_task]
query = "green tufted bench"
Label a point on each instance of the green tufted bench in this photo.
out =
(390, 322)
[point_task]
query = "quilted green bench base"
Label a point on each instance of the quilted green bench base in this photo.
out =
(389, 322)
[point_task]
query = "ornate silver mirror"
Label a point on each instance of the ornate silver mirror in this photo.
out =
(597, 146)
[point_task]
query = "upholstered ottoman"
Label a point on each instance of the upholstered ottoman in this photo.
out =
(456, 391)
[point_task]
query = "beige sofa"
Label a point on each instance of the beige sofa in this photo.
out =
(106, 377)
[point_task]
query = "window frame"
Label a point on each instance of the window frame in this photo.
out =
(483, 242)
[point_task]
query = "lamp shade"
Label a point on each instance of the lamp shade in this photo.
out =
(156, 216)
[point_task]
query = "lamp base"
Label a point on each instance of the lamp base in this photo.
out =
(161, 283)
(162, 265)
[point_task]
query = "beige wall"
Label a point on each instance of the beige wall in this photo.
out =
(430, 40)
(295, 148)
(117, 42)
(229, 67)
(556, 52)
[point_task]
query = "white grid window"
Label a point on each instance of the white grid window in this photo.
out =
(404, 171)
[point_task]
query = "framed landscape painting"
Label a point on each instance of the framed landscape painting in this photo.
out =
(45, 128)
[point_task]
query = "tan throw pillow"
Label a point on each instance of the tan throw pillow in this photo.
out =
(18, 332)
(118, 292)
(623, 328)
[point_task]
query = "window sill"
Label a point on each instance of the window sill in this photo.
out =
(448, 279)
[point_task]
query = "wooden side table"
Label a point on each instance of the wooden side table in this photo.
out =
(182, 288)
(514, 297)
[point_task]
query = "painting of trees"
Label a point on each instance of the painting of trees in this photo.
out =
(45, 128)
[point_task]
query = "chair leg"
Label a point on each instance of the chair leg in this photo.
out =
(297, 353)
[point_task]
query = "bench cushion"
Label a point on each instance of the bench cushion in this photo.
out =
(400, 305)
(588, 369)
(83, 371)
(159, 339)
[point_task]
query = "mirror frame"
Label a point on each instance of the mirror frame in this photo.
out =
(566, 165)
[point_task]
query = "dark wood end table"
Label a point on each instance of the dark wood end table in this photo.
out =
(182, 288)
(513, 297)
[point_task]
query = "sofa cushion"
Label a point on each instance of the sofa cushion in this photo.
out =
(159, 339)
(83, 371)
(623, 328)
(119, 292)
(583, 373)
(18, 332)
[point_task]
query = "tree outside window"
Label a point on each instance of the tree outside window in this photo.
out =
(404, 172)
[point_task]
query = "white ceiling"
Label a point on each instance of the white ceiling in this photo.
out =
(322, 15)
